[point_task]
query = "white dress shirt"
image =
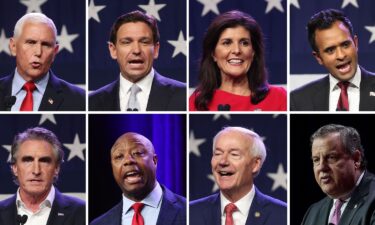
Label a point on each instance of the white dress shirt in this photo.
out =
(353, 91)
(345, 203)
(145, 84)
(243, 206)
(40, 217)
(20, 94)
(150, 211)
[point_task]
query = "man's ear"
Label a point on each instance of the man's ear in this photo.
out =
(156, 50)
(12, 47)
(112, 50)
(317, 57)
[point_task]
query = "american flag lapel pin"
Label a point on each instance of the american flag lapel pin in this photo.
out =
(50, 101)
(372, 93)
(60, 214)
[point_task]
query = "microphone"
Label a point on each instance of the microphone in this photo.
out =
(130, 109)
(21, 220)
(9, 102)
(223, 107)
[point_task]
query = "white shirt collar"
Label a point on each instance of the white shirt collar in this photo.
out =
(354, 82)
(45, 203)
(145, 84)
(243, 204)
(153, 199)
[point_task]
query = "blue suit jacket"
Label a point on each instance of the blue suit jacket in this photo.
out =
(64, 96)
(165, 95)
(65, 210)
(264, 210)
(172, 211)
(314, 96)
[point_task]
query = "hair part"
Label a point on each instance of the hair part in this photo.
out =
(349, 137)
(133, 17)
(257, 149)
(33, 18)
(209, 72)
(324, 20)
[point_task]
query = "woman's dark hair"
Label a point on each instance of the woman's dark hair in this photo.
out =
(209, 73)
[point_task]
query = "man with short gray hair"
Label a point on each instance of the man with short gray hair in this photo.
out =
(36, 157)
(33, 86)
(238, 155)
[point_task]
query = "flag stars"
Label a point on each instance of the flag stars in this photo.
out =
(4, 43)
(94, 10)
(33, 5)
(179, 45)
(347, 2)
(210, 6)
(194, 144)
(372, 30)
(76, 149)
(65, 40)
(274, 4)
(153, 9)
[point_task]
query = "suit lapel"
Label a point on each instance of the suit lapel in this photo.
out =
(159, 95)
(257, 213)
(167, 210)
(52, 97)
(8, 212)
(321, 96)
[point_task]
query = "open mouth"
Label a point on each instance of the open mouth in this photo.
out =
(133, 177)
(225, 173)
(136, 62)
(325, 179)
(235, 61)
(344, 68)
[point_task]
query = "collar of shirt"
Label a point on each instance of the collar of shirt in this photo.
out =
(17, 84)
(149, 212)
(21, 206)
(353, 91)
(243, 205)
(145, 84)
(346, 200)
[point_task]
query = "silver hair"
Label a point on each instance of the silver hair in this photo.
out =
(33, 18)
(258, 149)
(37, 133)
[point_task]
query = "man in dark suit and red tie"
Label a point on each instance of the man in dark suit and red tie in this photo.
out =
(33, 86)
(144, 200)
(348, 87)
(36, 158)
(238, 155)
(134, 44)
(339, 166)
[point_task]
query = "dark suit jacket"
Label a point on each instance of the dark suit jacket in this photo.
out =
(65, 210)
(264, 210)
(64, 96)
(165, 95)
(172, 211)
(314, 96)
(359, 211)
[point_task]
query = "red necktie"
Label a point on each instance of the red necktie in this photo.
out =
(229, 210)
(27, 104)
(343, 103)
(137, 217)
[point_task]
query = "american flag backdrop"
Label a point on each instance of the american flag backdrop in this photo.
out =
(69, 18)
(171, 17)
(272, 179)
(69, 129)
(303, 66)
(270, 14)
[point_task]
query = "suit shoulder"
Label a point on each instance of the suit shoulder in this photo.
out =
(6, 203)
(311, 86)
(165, 81)
(112, 216)
(203, 202)
(74, 201)
(71, 88)
(275, 203)
(105, 90)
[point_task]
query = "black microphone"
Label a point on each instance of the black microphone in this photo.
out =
(21, 220)
(223, 107)
(130, 109)
(9, 102)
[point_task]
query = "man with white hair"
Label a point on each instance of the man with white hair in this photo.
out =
(33, 86)
(238, 155)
